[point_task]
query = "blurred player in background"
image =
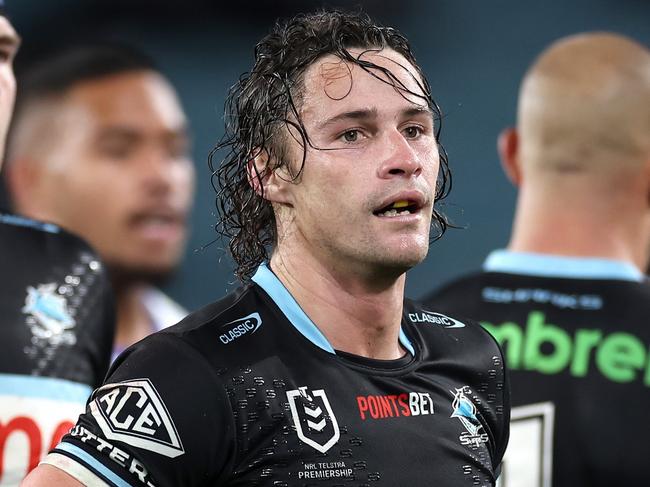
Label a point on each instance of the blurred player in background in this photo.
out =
(568, 300)
(317, 370)
(56, 319)
(99, 145)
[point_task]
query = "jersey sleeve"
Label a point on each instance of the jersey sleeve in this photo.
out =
(496, 389)
(161, 419)
(503, 416)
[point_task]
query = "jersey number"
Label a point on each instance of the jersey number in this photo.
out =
(528, 459)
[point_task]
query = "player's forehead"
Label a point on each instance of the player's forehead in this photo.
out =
(138, 98)
(331, 82)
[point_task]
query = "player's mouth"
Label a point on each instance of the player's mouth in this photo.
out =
(401, 205)
(159, 225)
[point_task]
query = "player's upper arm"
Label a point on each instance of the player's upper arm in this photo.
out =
(48, 476)
(162, 418)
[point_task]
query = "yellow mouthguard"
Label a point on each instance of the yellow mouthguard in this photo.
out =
(400, 204)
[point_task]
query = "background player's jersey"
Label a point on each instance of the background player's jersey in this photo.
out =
(248, 392)
(575, 334)
(56, 329)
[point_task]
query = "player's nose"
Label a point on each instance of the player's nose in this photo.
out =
(400, 159)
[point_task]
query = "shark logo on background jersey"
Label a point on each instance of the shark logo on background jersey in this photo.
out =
(51, 318)
(465, 411)
(133, 412)
(313, 418)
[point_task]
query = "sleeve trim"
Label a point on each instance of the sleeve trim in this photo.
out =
(86, 462)
(74, 469)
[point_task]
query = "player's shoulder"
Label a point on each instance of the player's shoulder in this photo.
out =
(431, 322)
(16, 230)
(239, 307)
(223, 332)
(16, 224)
(460, 340)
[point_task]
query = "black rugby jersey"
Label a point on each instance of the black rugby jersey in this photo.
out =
(248, 391)
(575, 336)
(56, 332)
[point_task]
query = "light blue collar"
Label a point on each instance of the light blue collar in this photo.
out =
(297, 317)
(545, 265)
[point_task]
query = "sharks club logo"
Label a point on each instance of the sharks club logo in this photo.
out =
(50, 318)
(313, 418)
(465, 410)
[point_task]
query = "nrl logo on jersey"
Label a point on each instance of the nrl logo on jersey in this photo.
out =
(313, 418)
(435, 319)
(48, 315)
(133, 412)
(240, 327)
(465, 410)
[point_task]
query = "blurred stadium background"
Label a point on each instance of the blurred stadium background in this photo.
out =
(474, 52)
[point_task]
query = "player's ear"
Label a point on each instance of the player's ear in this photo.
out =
(266, 178)
(508, 148)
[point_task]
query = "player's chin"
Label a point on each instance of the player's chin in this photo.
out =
(406, 254)
(151, 267)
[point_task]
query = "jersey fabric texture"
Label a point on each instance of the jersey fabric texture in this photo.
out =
(56, 312)
(248, 391)
(575, 336)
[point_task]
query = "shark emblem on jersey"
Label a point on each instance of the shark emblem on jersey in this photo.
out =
(133, 412)
(465, 410)
(313, 418)
(50, 319)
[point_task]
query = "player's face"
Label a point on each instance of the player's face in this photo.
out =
(365, 198)
(121, 176)
(8, 48)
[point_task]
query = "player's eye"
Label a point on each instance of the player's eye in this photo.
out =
(351, 135)
(5, 55)
(412, 131)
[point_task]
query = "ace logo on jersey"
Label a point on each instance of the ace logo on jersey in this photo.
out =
(133, 412)
(313, 418)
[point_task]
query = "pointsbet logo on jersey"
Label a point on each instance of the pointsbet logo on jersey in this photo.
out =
(401, 405)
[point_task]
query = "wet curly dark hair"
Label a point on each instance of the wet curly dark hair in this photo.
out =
(264, 103)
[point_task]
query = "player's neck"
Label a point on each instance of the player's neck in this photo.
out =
(356, 316)
(133, 322)
(581, 228)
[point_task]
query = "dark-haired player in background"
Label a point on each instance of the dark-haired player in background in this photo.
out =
(99, 145)
(317, 371)
(56, 319)
(568, 301)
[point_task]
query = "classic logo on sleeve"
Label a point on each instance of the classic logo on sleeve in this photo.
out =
(240, 327)
(133, 412)
(435, 319)
(313, 418)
